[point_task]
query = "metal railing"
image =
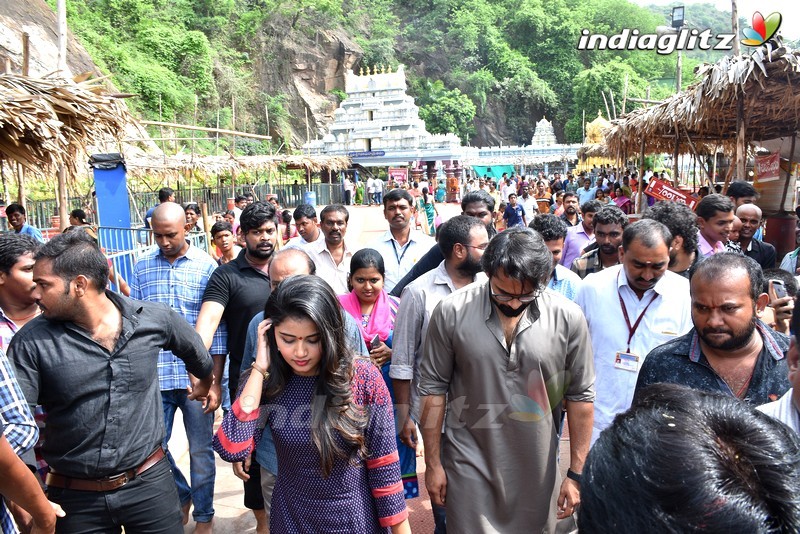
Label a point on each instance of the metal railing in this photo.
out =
(124, 246)
(40, 212)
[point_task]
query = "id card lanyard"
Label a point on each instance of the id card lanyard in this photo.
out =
(632, 329)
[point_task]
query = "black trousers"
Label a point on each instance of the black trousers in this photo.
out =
(147, 505)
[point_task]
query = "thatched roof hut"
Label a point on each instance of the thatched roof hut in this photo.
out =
(47, 122)
(767, 82)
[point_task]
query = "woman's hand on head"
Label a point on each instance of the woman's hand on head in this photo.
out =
(262, 349)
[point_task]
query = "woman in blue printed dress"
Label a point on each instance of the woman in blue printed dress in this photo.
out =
(331, 420)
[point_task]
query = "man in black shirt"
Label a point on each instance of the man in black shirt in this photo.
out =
(236, 292)
(764, 253)
(91, 360)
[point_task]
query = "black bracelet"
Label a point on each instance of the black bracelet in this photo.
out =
(572, 475)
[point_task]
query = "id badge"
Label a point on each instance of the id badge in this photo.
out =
(627, 362)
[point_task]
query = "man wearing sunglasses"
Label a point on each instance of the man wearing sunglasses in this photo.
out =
(505, 354)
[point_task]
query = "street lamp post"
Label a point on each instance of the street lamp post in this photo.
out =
(677, 23)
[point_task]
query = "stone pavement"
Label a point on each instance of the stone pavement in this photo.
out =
(366, 224)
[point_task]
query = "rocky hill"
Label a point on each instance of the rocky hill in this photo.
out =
(487, 70)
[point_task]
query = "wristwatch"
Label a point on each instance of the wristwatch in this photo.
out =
(262, 372)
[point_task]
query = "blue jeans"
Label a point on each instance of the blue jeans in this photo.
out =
(199, 431)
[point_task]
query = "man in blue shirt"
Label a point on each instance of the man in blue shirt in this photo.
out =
(587, 192)
(18, 221)
(165, 194)
(515, 213)
(176, 274)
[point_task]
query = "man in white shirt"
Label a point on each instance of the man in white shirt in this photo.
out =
(529, 203)
(787, 408)
(631, 309)
(305, 219)
(401, 246)
(332, 255)
(371, 190)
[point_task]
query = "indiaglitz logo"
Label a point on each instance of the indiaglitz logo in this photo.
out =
(684, 39)
(763, 29)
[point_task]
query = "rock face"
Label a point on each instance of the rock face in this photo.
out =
(305, 69)
(36, 18)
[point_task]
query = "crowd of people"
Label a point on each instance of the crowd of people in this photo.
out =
(662, 346)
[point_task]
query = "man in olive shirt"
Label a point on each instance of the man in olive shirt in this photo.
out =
(91, 360)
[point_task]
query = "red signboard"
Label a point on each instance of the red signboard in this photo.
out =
(398, 174)
(662, 190)
(768, 168)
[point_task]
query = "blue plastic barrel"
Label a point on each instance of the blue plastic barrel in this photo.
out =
(310, 197)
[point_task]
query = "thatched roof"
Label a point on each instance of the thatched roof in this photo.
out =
(177, 166)
(594, 150)
(768, 82)
(46, 122)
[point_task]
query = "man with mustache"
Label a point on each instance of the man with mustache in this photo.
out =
(729, 350)
(631, 309)
(608, 223)
(505, 354)
(332, 255)
(236, 292)
(401, 246)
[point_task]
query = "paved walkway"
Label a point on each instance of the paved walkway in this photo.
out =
(367, 223)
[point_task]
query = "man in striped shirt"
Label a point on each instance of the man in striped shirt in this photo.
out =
(176, 273)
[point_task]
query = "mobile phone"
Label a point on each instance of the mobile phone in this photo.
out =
(779, 288)
(375, 342)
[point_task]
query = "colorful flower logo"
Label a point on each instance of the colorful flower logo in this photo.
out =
(762, 30)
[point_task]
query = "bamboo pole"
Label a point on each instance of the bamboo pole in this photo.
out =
(741, 149)
(625, 94)
(216, 146)
(640, 191)
(233, 124)
(194, 123)
(204, 129)
(26, 54)
(613, 105)
(788, 173)
(61, 29)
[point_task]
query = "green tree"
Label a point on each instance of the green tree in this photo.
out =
(448, 111)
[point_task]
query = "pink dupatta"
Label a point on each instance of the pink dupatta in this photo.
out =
(381, 320)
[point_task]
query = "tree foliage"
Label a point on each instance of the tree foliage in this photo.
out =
(463, 56)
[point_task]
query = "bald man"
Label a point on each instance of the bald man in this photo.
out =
(285, 263)
(762, 252)
(176, 273)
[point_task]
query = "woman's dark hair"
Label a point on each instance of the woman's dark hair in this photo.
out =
(707, 463)
(425, 195)
(192, 206)
(286, 216)
(336, 420)
(366, 258)
(80, 215)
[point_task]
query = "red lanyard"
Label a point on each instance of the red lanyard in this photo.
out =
(632, 329)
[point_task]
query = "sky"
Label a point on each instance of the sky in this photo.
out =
(790, 27)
